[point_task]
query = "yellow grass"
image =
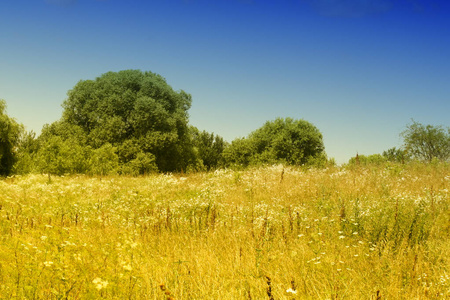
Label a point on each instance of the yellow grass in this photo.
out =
(356, 233)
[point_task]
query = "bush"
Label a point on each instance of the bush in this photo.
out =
(287, 141)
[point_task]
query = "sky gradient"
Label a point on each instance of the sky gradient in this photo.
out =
(359, 70)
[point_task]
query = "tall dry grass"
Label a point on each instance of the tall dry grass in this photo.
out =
(373, 232)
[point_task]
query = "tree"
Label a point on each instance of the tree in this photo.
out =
(288, 140)
(58, 156)
(427, 142)
(209, 147)
(144, 163)
(396, 155)
(63, 149)
(137, 110)
(373, 159)
(27, 149)
(239, 153)
(294, 142)
(104, 160)
(10, 132)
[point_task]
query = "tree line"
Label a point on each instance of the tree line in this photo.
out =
(133, 122)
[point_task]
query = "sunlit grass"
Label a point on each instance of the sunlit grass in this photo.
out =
(285, 233)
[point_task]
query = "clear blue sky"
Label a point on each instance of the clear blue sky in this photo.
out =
(359, 70)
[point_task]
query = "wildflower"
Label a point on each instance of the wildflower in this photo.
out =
(48, 263)
(77, 256)
(99, 283)
(291, 291)
(43, 238)
(341, 237)
(127, 267)
(300, 235)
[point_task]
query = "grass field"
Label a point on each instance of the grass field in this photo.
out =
(373, 232)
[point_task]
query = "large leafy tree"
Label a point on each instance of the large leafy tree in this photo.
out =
(426, 142)
(294, 142)
(137, 113)
(10, 132)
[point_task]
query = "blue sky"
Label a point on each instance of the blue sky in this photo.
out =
(359, 70)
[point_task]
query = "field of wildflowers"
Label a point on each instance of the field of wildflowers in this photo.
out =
(372, 232)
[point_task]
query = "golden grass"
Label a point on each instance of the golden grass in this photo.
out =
(265, 233)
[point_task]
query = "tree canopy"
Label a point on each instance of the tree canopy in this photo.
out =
(294, 142)
(209, 148)
(10, 132)
(133, 122)
(425, 142)
(136, 112)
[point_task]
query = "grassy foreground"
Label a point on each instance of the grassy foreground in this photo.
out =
(266, 233)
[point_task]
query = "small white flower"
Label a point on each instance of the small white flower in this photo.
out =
(127, 268)
(291, 291)
(99, 283)
(48, 263)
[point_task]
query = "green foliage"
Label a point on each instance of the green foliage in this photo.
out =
(396, 155)
(373, 159)
(425, 142)
(62, 149)
(135, 112)
(239, 153)
(289, 141)
(104, 160)
(144, 163)
(26, 153)
(59, 156)
(209, 148)
(10, 132)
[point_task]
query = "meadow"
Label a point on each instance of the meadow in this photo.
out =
(361, 232)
